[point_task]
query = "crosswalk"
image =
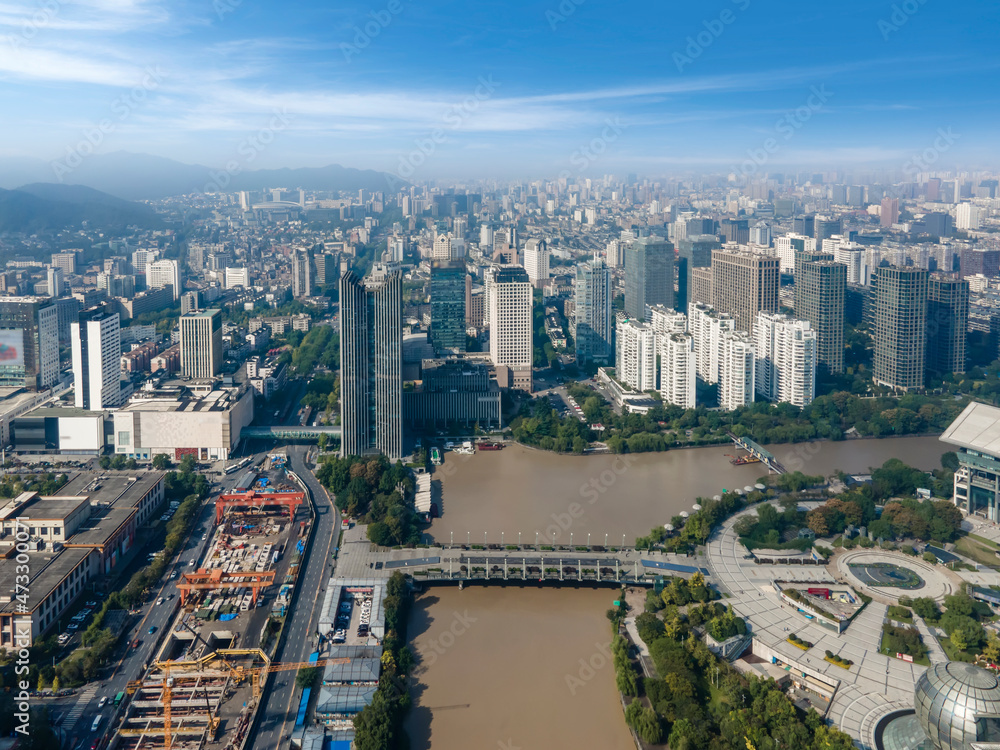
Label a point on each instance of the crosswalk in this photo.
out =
(83, 700)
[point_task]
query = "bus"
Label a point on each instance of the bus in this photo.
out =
(96, 724)
(119, 698)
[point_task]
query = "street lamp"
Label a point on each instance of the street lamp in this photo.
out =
(605, 541)
(519, 539)
(588, 540)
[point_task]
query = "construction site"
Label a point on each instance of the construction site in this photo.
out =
(205, 685)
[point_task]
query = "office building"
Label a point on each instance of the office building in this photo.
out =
(635, 363)
(820, 286)
(189, 302)
(760, 234)
(967, 216)
(744, 284)
(707, 327)
(163, 273)
(735, 230)
(899, 326)
(441, 249)
(447, 331)
(855, 258)
(678, 369)
(595, 331)
(509, 299)
(649, 275)
(55, 281)
(786, 353)
(237, 277)
(201, 344)
(826, 228)
(701, 285)
(29, 343)
(536, 262)
(736, 370)
(890, 212)
(65, 261)
(979, 260)
(804, 225)
(97, 352)
(787, 246)
(453, 392)
(947, 324)
(371, 362)
(302, 273)
(694, 251)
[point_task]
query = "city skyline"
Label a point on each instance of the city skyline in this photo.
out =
(523, 90)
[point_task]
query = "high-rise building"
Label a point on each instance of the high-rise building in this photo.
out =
(649, 275)
(190, 302)
(678, 369)
(694, 251)
(854, 257)
(825, 228)
(804, 225)
(665, 321)
(707, 327)
(735, 230)
(55, 281)
(441, 250)
(536, 262)
(97, 354)
(447, 332)
(736, 370)
(371, 362)
(328, 268)
(967, 216)
(744, 284)
(614, 253)
(899, 317)
(29, 343)
(161, 273)
(701, 285)
(820, 286)
(595, 332)
(302, 273)
(760, 234)
(201, 344)
(787, 245)
(635, 361)
(509, 299)
(947, 323)
(890, 212)
(65, 261)
(785, 351)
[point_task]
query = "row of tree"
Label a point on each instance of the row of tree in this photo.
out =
(378, 492)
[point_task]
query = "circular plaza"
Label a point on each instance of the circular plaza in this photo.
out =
(890, 575)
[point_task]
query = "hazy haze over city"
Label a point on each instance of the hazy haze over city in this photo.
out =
(516, 89)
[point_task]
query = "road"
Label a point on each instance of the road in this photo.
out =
(132, 662)
(281, 702)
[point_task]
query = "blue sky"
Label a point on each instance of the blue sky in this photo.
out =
(459, 90)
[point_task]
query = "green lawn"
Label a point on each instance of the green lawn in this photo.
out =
(954, 654)
(975, 551)
(923, 660)
(984, 540)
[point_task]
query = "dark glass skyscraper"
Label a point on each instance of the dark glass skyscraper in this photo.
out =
(947, 322)
(371, 363)
(692, 252)
(649, 275)
(448, 306)
(595, 331)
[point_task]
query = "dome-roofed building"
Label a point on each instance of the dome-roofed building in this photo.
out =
(958, 704)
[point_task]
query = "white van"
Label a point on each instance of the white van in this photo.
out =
(96, 724)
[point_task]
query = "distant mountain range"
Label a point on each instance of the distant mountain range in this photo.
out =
(137, 177)
(45, 206)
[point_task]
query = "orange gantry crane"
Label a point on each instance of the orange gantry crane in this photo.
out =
(216, 659)
(253, 499)
(215, 579)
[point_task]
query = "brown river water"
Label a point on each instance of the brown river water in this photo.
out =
(500, 668)
(522, 490)
(511, 668)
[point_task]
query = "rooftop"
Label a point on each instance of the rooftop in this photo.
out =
(119, 490)
(48, 569)
(976, 428)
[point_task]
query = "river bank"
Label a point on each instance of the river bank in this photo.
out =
(523, 490)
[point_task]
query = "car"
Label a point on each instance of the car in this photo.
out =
(160, 601)
(136, 643)
(152, 629)
(191, 563)
(102, 701)
(72, 626)
(204, 537)
(174, 575)
(92, 603)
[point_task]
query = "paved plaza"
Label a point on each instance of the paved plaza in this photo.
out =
(872, 687)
